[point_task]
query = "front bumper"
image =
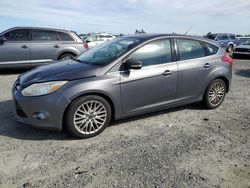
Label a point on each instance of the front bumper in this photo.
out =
(51, 106)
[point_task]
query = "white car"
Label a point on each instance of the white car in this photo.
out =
(97, 39)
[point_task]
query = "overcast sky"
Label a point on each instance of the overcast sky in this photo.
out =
(117, 16)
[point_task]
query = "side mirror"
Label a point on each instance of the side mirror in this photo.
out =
(2, 39)
(87, 41)
(133, 64)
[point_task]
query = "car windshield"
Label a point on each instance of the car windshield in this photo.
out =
(247, 42)
(108, 52)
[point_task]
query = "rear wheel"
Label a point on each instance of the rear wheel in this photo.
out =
(66, 56)
(214, 94)
(88, 116)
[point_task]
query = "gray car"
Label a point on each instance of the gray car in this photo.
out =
(33, 46)
(124, 77)
(225, 40)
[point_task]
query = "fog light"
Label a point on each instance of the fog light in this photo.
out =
(40, 115)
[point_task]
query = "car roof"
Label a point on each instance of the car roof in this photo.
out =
(145, 37)
(221, 34)
(42, 28)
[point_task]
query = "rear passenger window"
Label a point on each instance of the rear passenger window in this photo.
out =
(190, 49)
(211, 49)
(65, 36)
(43, 35)
(157, 52)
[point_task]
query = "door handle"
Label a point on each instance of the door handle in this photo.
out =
(56, 46)
(207, 65)
(167, 73)
(24, 46)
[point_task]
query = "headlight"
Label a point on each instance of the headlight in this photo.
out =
(42, 88)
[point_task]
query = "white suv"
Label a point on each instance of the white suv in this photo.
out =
(99, 38)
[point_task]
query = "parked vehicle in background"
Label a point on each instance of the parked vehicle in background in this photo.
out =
(225, 40)
(243, 50)
(99, 38)
(32, 46)
(124, 77)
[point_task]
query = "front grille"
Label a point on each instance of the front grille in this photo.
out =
(19, 110)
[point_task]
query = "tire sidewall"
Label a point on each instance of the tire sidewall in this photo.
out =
(66, 54)
(75, 105)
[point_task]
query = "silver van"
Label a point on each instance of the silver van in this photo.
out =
(33, 46)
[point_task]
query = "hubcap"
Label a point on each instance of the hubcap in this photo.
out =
(90, 117)
(216, 94)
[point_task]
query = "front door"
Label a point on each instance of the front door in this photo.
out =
(16, 49)
(155, 83)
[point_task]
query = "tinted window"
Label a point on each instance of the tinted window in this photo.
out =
(65, 37)
(157, 52)
(17, 35)
(232, 37)
(222, 37)
(43, 35)
(212, 49)
(189, 49)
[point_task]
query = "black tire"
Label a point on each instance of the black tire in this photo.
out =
(71, 113)
(207, 103)
(66, 56)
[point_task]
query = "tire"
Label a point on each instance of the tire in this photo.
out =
(88, 116)
(230, 48)
(66, 56)
(216, 91)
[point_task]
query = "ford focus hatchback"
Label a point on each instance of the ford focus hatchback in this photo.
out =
(125, 77)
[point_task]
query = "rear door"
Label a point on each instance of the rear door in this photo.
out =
(16, 49)
(45, 45)
(194, 68)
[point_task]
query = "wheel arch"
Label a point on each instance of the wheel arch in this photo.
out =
(106, 97)
(218, 77)
(66, 52)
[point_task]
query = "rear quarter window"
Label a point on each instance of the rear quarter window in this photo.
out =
(210, 48)
(65, 36)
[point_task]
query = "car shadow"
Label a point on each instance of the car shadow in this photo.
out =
(13, 71)
(243, 72)
(10, 128)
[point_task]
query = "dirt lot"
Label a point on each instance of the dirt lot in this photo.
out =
(182, 147)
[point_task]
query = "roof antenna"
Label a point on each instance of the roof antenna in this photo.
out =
(188, 30)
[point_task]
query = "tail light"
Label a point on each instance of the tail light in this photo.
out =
(86, 46)
(228, 59)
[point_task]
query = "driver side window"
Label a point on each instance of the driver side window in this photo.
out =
(153, 53)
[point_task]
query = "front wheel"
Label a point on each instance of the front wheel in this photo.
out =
(88, 116)
(214, 94)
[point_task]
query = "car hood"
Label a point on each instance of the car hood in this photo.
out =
(61, 70)
(244, 46)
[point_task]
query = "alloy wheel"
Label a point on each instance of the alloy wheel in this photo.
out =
(216, 94)
(90, 117)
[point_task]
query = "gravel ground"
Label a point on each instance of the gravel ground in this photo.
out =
(181, 147)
